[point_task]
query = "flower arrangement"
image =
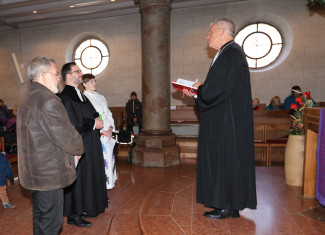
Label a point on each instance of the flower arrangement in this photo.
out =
(298, 113)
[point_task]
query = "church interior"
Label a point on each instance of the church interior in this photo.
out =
(155, 191)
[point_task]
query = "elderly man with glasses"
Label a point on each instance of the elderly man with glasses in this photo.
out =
(87, 197)
(47, 146)
(225, 167)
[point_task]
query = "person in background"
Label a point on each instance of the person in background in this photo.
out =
(256, 103)
(275, 104)
(87, 196)
(5, 172)
(4, 113)
(48, 146)
(291, 99)
(11, 124)
(134, 112)
(100, 104)
(225, 161)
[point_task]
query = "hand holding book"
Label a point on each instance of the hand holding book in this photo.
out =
(182, 84)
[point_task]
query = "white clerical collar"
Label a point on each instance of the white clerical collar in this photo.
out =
(79, 94)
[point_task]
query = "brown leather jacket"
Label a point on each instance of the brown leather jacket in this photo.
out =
(47, 141)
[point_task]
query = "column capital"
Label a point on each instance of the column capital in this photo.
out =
(144, 3)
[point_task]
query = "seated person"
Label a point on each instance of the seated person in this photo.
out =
(291, 99)
(256, 102)
(134, 112)
(11, 124)
(275, 104)
(4, 113)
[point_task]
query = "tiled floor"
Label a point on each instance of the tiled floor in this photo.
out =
(162, 201)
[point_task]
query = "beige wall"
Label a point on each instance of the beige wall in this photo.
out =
(302, 62)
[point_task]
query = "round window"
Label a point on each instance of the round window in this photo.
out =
(92, 56)
(262, 44)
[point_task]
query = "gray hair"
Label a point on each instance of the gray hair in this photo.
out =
(227, 24)
(38, 66)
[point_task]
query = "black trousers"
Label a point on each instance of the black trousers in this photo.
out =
(131, 124)
(47, 211)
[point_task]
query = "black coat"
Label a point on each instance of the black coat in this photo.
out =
(226, 167)
(88, 193)
(136, 112)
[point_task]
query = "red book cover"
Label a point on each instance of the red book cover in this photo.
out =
(180, 86)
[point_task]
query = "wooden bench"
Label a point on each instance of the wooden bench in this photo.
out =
(276, 123)
(260, 141)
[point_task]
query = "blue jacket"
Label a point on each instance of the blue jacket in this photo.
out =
(292, 100)
(5, 169)
(289, 100)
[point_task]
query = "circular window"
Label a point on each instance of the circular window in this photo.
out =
(92, 56)
(262, 44)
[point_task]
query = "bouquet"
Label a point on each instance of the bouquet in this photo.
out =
(303, 102)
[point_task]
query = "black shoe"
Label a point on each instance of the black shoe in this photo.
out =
(211, 213)
(222, 214)
(84, 214)
(78, 221)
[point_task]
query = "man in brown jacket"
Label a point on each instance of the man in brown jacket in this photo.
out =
(47, 146)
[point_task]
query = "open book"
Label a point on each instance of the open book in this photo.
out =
(180, 84)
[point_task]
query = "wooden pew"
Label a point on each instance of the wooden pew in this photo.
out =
(275, 122)
(119, 115)
(185, 114)
(260, 141)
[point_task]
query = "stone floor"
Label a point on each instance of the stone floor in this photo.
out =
(162, 201)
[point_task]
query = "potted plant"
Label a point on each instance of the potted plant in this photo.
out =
(294, 154)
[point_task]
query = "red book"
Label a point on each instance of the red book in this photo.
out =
(180, 84)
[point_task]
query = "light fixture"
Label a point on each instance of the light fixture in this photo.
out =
(34, 12)
(71, 6)
(112, 0)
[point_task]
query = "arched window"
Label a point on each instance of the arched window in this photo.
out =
(92, 56)
(262, 44)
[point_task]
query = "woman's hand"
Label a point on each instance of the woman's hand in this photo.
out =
(108, 133)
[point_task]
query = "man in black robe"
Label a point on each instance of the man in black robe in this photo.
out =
(225, 167)
(86, 197)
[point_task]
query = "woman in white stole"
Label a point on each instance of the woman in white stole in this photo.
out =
(100, 104)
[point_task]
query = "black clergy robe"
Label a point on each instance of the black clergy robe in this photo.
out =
(226, 167)
(88, 193)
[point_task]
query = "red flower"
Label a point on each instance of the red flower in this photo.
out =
(299, 101)
(294, 106)
(307, 94)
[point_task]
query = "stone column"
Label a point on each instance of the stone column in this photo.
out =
(156, 145)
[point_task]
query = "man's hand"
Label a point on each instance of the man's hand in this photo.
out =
(135, 119)
(188, 92)
(108, 133)
(98, 123)
(197, 84)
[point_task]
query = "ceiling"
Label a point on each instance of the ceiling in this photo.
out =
(18, 14)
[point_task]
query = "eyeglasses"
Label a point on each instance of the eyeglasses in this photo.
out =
(212, 31)
(55, 74)
(76, 71)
